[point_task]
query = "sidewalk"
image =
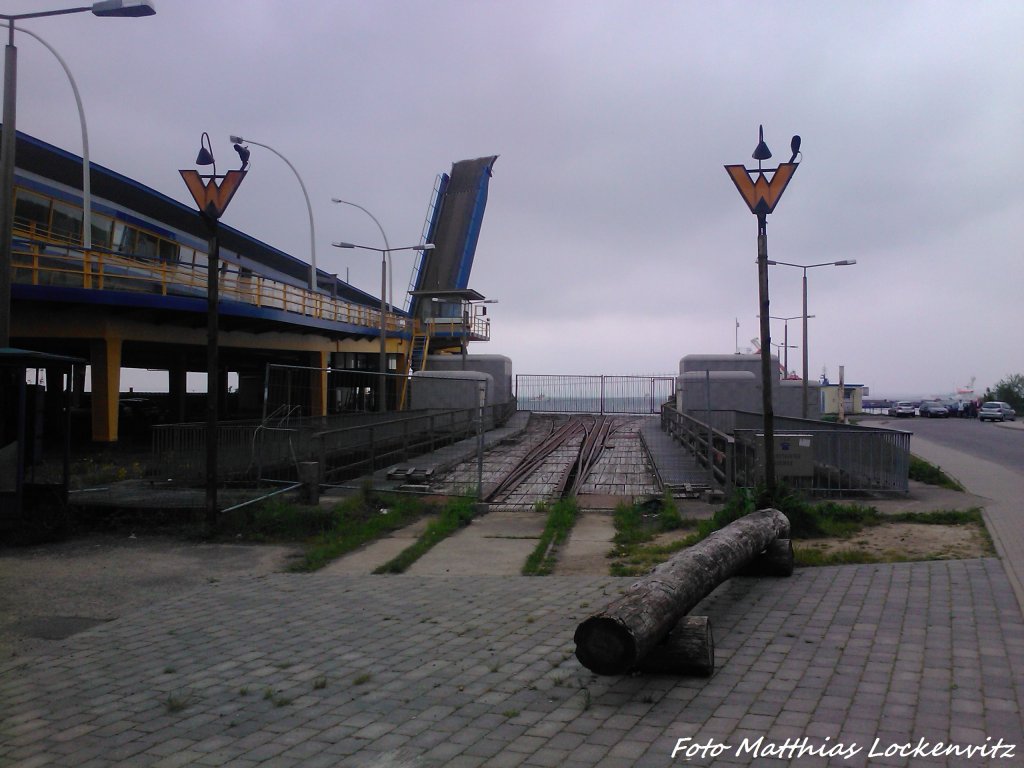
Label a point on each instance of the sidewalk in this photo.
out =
(336, 669)
(1004, 502)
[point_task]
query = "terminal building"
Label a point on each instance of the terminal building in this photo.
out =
(136, 298)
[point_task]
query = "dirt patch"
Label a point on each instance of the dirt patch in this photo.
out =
(910, 541)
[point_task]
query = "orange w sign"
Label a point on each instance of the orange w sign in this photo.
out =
(212, 198)
(760, 194)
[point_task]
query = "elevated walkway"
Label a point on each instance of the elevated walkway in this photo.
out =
(675, 465)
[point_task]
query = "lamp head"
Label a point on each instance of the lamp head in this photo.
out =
(236, 139)
(205, 156)
(243, 154)
(343, 245)
(761, 152)
(123, 8)
(424, 247)
(846, 262)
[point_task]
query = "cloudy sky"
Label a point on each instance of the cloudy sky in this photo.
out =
(613, 239)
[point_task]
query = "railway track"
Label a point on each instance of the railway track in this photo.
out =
(588, 434)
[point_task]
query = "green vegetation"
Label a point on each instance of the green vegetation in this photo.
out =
(328, 532)
(634, 554)
(923, 472)
(561, 518)
(1009, 389)
(636, 525)
(456, 514)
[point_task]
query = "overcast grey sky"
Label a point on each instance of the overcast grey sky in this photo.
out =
(613, 238)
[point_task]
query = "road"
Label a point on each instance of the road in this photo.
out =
(990, 441)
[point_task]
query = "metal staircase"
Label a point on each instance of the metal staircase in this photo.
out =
(420, 343)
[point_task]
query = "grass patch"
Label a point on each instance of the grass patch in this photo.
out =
(810, 557)
(637, 525)
(561, 518)
(324, 532)
(456, 514)
(923, 472)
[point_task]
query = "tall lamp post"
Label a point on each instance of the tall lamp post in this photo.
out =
(238, 141)
(843, 263)
(212, 193)
(105, 8)
(387, 245)
(761, 196)
(384, 254)
(785, 336)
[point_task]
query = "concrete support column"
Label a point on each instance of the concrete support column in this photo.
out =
(318, 385)
(177, 385)
(105, 359)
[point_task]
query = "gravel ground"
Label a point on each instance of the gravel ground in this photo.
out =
(52, 591)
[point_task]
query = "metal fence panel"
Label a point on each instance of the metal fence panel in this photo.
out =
(847, 458)
(593, 394)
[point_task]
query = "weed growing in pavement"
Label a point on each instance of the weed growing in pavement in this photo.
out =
(457, 513)
(320, 683)
(362, 679)
(561, 518)
(177, 701)
(276, 699)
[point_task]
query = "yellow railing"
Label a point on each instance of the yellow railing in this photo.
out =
(65, 266)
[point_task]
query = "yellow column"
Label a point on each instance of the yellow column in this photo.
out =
(318, 386)
(105, 359)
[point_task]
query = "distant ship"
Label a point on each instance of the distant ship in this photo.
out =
(966, 392)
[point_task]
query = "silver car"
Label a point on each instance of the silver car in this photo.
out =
(996, 411)
(902, 408)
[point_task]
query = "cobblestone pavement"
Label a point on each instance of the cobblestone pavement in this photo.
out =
(334, 670)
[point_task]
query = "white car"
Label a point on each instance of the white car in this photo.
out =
(902, 408)
(996, 411)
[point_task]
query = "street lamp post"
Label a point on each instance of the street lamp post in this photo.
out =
(761, 196)
(384, 254)
(105, 8)
(785, 338)
(843, 263)
(212, 193)
(238, 141)
(387, 245)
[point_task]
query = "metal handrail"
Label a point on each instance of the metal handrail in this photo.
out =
(38, 262)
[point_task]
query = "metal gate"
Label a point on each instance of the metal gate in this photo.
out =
(593, 394)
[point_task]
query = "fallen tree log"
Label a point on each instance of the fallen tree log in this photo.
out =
(776, 560)
(688, 650)
(614, 641)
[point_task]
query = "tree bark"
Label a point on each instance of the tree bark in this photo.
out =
(776, 560)
(614, 641)
(689, 650)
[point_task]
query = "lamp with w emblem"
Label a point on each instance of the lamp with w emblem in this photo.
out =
(761, 189)
(212, 193)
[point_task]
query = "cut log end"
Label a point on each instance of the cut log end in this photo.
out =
(604, 646)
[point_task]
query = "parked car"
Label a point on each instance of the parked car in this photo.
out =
(996, 411)
(933, 409)
(902, 408)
